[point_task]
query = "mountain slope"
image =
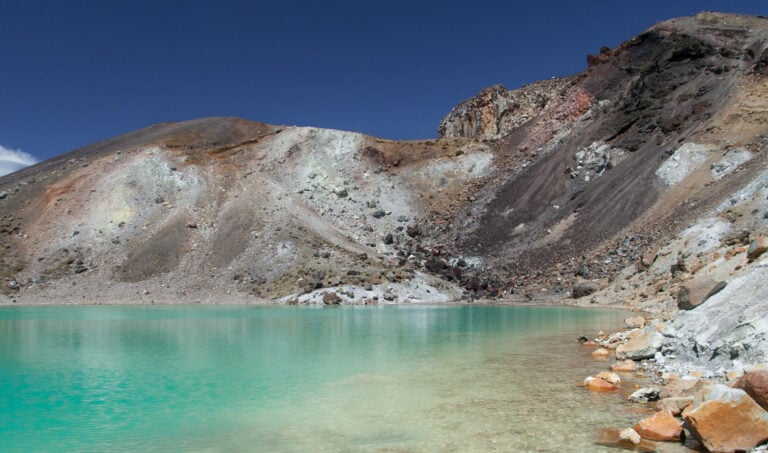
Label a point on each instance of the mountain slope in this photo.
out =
(524, 192)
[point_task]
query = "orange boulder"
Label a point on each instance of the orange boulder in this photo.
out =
(660, 426)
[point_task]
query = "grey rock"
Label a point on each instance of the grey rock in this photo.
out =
(644, 395)
(331, 298)
(643, 346)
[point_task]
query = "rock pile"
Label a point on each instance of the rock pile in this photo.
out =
(717, 414)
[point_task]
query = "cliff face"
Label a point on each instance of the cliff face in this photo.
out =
(496, 111)
(524, 192)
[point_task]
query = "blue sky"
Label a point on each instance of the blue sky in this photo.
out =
(76, 72)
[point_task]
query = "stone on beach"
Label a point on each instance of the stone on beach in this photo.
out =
(638, 322)
(625, 366)
(643, 346)
(661, 426)
(594, 384)
(678, 387)
(674, 404)
(601, 353)
(607, 376)
(644, 395)
(726, 419)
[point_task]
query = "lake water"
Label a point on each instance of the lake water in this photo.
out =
(232, 378)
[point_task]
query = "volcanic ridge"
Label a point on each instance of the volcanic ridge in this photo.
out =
(618, 185)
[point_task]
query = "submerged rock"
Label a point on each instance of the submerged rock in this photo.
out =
(595, 384)
(607, 376)
(625, 366)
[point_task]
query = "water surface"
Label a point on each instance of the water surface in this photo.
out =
(213, 378)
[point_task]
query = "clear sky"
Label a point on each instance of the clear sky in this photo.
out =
(76, 72)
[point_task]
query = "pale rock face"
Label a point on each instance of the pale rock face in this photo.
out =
(496, 111)
(730, 163)
(683, 162)
(715, 333)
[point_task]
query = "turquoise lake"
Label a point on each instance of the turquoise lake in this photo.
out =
(273, 378)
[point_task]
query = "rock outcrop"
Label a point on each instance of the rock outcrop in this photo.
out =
(725, 419)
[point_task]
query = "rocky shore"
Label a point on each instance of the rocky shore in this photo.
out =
(697, 408)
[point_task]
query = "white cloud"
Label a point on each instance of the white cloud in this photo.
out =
(13, 159)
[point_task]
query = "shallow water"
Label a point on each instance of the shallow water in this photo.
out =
(213, 378)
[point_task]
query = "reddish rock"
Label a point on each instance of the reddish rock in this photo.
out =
(755, 383)
(591, 343)
(600, 385)
(607, 376)
(625, 439)
(626, 366)
(602, 352)
(734, 251)
(660, 426)
(726, 419)
(758, 246)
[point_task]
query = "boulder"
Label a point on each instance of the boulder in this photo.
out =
(678, 387)
(607, 376)
(600, 353)
(757, 247)
(726, 419)
(644, 395)
(696, 291)
(755, 383)
(626, 366)
(674, 404)
(638, 322)
(594, 384)
(661, 426)
(643, 346)
(331, 299)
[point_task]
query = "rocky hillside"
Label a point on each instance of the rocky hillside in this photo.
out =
(526, 193)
